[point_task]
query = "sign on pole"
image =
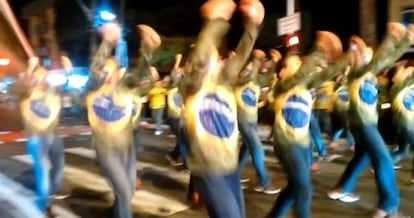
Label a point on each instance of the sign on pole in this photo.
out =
(288, 24)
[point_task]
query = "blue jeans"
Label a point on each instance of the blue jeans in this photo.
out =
(370, 146)
(221, 194)
(298, 192)
(157, 117)
(118, 165)
(45, 151)
(180, 147)
(340, 121)
(405, 142)
(253, 145)
(315, 132)
(323, 116)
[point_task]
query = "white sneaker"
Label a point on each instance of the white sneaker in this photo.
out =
(383, 214)
(343, 196)
(397, 167)
(244, 180)
(267, 190)
(158, 132)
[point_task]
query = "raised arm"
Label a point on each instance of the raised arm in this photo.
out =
(216, 14)
(253, 13)
(265, 78)
(397, 40)
(251, 70)
(143, 75)
(110, 34)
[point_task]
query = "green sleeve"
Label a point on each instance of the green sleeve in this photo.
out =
(265, 79)
(208, 40)
(247, 74)
(331, 71)
(303, 75)
(98, 61)
(389, 51)
(235, 64)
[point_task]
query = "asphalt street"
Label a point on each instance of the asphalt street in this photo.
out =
(164, 187)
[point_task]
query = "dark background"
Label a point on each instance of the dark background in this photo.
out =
(178, 18)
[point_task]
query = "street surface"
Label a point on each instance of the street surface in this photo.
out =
(163, 192)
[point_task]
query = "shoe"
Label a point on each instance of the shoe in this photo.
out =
(382, 214)
(267, 190)
(60, 195)
(343, 196)
(158, 132)
(244, 180)
(397, 167)
(173, 162)
(244, 186)
(330, 157)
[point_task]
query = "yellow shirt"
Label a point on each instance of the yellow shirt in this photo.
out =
(324, 96)
(157, 97)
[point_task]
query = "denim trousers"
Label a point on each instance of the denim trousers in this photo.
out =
(370, 146)
(222, 194)
(157, 115)
(118, 165)
(253, 146)
(180, 149)
(295, 160)
(405, 140)
(48, 158)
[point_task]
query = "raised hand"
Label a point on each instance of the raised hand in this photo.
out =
(275, 55)
(259, 54)
(252, 10)
(396, 29)
(149, 36)
(330, 43)
(215, 9)
(110, 32)
(410, 31)
(31, 65)
(362, 53)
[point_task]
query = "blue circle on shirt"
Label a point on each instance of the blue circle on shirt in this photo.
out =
(178, 101)
(216, 116)
(249, 97)
(368, 92)
(343, 95)
(106, 110)
(39, 108)
(293, 112)
(408, 99)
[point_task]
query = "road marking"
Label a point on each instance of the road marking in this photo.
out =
(21, 140)
(85, 133)
(4, 132)
(143, 200)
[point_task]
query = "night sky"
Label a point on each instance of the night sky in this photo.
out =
(181, 18)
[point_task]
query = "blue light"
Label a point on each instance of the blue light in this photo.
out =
(107, 16)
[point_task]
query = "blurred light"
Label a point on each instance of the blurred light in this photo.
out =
(385, 106)
(292, 40)
(107, 16)
(4, 61)
(56, 79)
(77, 81)
(46, 62)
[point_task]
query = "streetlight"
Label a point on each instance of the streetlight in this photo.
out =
(107, 15)
(4, 61)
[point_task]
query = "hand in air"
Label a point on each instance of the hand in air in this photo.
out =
(330, 43)
(215, 9)
(410, 31)
(149, 36)
(252, 10)
(275, 55)
(110, 32)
